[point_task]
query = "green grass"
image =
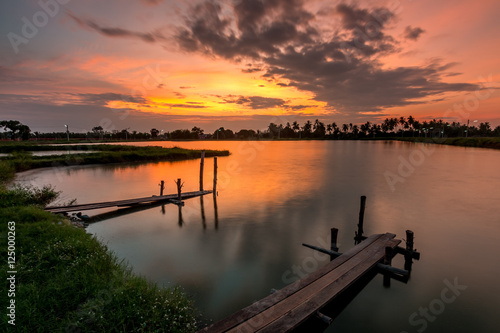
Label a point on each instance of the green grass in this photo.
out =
(22, 160)
(67, 281)
(493, 142)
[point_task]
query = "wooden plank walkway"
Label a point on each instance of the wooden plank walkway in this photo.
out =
(289, 307)
(123, 203)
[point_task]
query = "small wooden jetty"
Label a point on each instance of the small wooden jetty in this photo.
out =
(145, 201)
(298, 303)
(172, 198)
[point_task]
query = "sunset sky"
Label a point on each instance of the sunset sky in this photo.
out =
(174, 64)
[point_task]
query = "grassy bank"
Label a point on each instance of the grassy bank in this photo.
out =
(463, 142)
(67, 281)
(21, 159)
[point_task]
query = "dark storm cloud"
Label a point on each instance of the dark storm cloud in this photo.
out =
(262, 27)
(254, 102)
(341, 69)
(102, 99)
(149, 37)
(413, 33)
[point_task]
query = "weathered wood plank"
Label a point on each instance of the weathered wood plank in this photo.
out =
(355, 267)
(257, 307)
(121, 203)
(302, 311)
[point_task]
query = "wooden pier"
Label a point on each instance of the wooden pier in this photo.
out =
(145, 201)
(302, 302)
(172, 198)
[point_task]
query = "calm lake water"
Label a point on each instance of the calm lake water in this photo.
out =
(273, 196)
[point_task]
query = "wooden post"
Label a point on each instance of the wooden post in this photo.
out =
(387, 261)
(202, 162)
(409, 240)
(179, 187)
(162, 187)
(361, 215)
(215, 177)
(359, 234)
(334, 232)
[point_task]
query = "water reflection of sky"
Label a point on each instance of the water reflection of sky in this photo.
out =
(273, 196)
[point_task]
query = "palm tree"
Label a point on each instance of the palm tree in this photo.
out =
(365, 128)
(345, 128)
(335, 129)
(355, 130)
(307, 128)
(329, 129)
(295, 126)
(411, 122)
(402, 122)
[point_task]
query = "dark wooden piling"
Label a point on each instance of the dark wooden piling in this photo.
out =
(179, 188)
(202, 163)
(358, 237)
(162, 187)
(409, 240)
(333, 246)
(215, 177)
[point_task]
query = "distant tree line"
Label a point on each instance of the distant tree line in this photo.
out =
(390, 127)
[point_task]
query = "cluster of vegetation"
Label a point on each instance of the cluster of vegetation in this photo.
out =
(68, 281)
(21, 159)
(390, 127)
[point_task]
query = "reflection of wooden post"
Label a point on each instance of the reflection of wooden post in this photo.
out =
(409, 250)
(203, 220)
(181, 222)
(202, 162)
(387, 261)
(162, 187)
(216, 213)
(179, 187)
(215, 177)
(333, 246)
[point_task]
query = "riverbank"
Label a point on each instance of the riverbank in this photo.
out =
(63, 279)
(493, 143)
(21, 159)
